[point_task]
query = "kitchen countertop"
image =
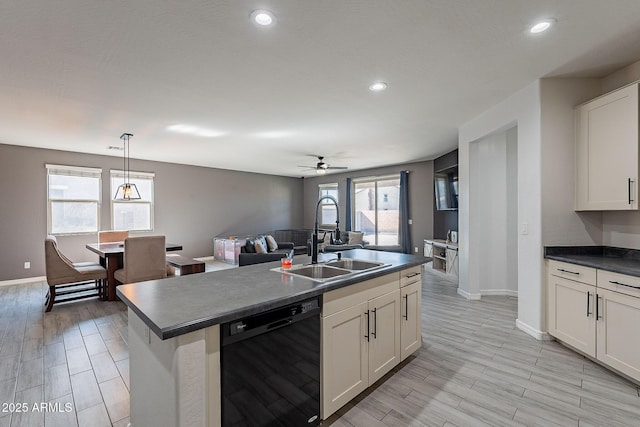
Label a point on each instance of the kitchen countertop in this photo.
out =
(178, 305)
(617, 260)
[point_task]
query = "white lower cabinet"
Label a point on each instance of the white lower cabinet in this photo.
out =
(618, 329)
(411, 319)
(384, 334)
(571, 316)
(345, 355)
(365, 333)
(599, 318)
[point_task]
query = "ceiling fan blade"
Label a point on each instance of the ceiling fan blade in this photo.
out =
(337, 167)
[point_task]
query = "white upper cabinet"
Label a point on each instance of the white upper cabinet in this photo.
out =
(607, 152)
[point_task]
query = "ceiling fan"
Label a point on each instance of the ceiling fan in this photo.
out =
(321, 167)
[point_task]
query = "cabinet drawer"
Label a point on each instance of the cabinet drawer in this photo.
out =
(410, 275)
(574, 272)
(621, 283)
(343, 298)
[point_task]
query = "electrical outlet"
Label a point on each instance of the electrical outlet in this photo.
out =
(524, 229)
(410, 221)
(27, 265)
(415, 249)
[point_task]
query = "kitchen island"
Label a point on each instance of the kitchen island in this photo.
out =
(174, 331)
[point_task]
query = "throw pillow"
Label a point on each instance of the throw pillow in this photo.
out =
(260, 247)
(355, 237)
(272, 245)
(250, 246)
(263, 241)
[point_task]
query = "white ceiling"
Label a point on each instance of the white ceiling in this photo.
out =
(76, 74)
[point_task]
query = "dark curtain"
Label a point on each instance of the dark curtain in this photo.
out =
(405, 237)
(347, 221)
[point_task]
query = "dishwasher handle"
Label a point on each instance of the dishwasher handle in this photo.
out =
(280, 324)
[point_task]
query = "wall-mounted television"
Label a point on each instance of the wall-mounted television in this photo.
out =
(446, 189)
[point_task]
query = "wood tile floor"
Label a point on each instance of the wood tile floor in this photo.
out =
(74, 357)
(474, 369)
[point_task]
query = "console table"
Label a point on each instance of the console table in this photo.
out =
(445, 255)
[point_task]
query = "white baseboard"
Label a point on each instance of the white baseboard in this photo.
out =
(539, 335)
(499, 292)
(22, 281)
(469, 296)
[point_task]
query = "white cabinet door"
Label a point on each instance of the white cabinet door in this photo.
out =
(619, 332)
(571, 313)
(411, 321)
(607, 152)
(384, 331)
(452, 261)
(345, 355)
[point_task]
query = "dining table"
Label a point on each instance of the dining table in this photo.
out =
(111, 257)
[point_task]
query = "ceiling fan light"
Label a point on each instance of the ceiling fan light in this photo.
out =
(321, 171)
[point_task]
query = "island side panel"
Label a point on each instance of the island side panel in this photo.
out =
(174, 381)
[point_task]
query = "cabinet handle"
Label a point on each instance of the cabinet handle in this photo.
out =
(598, 298)
(588, 297)
(375, 326)
(567, 271)
(406, 307)
(624, 284)
(630, 199)
(412, 275)
(367, 314)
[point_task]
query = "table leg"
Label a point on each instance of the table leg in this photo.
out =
(113, 262)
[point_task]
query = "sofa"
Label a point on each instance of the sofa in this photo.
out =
(349, 240)
(257, 250)
(299, 237)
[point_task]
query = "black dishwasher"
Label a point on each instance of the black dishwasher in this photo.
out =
(270, 367)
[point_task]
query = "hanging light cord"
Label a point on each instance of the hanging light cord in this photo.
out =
(126, 161)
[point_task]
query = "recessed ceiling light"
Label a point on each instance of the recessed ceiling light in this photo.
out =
(263, 18)
(377, 86)
(542, 26)
(195, 130)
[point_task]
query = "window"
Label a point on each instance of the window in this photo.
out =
(73, 199)
(132, 214)
(327, 212)
(377, 209)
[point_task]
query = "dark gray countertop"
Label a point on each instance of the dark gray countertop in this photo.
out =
(618, 260)
(178, 305)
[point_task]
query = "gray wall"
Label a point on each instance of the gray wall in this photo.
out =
(192, 205)
(420, 196)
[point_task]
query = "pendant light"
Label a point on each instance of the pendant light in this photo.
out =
(127, 191)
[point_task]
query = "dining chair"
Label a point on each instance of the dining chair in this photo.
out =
(144, 259)
(68, 281)
(112, 236)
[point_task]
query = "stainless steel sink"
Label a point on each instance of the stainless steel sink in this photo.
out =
(330, 270)
(318, 271)
(355, 264)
